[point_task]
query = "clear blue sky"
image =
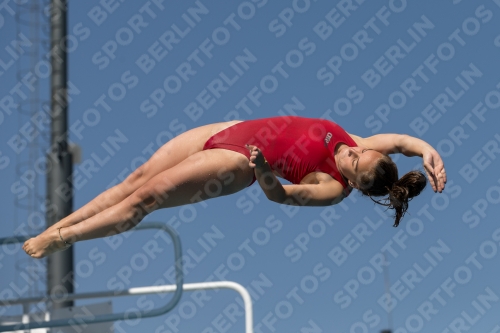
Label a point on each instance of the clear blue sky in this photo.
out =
(148, 71)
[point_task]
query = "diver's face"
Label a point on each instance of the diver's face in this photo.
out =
(354, 161)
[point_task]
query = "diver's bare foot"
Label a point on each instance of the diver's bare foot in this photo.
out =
(44, 244)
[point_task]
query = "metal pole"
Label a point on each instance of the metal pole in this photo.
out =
(59, 190)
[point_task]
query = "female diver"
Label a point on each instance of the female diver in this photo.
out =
(321, 160)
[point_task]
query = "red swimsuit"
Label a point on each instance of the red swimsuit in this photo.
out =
(293, 146)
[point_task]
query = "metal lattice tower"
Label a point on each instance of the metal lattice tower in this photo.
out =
(32, 34)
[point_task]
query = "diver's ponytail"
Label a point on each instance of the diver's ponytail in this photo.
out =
(383, 180)
(403, 190)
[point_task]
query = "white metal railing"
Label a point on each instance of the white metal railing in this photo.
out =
(247, 300)
(177, 289)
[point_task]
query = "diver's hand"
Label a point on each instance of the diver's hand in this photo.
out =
(257, 159)
(434, 167)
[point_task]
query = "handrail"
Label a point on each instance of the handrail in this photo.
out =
(247, 300)
(179, 281)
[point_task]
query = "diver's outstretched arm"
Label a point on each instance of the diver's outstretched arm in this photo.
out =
(394, 143)
(409, 146)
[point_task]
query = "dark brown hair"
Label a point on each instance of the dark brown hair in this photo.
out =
(383, 180)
